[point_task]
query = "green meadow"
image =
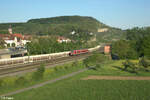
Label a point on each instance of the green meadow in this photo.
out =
(75, 88)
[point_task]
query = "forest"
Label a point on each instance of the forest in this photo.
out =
(136, 44)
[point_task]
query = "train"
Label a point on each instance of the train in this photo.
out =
(78, 52)
(44, 57)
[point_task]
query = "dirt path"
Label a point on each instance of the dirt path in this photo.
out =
(44, 83)
(115, 78)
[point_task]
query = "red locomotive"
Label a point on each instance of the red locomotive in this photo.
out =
(77, 52)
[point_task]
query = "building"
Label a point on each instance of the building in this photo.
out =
(103, 30)
(107, 49)
(13, 40)
(10, 30)
(63, 39)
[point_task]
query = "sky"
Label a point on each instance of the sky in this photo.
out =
(116, 13)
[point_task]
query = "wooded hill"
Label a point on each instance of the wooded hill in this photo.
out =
(62, 26)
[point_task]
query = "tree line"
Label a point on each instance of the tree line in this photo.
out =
(136, 44)
(45, 45)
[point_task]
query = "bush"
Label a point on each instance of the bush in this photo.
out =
(75, 64)
(98, 66)
(39, 73)
(55, 68)
(128, 64)
(96, 58)
(144, 62)
(1, 82)
(20, 81)
(66, 67)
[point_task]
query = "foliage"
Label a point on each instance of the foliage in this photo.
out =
(95, 59)
(141, 39)
(13, 44)
(56, 69)
(145, 46)
(137, 33)
(39, 73)
(21, 81)
(1, 82)
(2, 42)
(75, 63)
(136, 45)
(98, 65)
(123, 50)
(113, 34)
(62, 25)
(9, 84)
(144, 62)
(45, 45)
(127, 64)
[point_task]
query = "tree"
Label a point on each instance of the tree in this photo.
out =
(144, 62)
(13, 45)
(2, 42)
(20, 81)
(1, 82)
(39, 73)
(95, 59)
(123, 49)
(128, 64)
(145, 46)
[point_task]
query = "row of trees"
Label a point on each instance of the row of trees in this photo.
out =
(137, 44)
(45, 45)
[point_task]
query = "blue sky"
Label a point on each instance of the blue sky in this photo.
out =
(117, 13)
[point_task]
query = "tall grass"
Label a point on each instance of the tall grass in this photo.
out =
(8, 84)
(89, 90)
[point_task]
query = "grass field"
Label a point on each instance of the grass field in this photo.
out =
(9, 83)
(76, 89)
(114, 68)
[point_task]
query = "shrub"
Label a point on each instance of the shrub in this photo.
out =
(66, 67)
(98, 66)
(39, 73)
(1, 82)
(75, 64)
(128, 64)
(20, 81)
(96, 58)
(144, 62)
(55, 68)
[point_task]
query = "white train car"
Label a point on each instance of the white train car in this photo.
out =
(42, 57)
(94, 49)
(34, 58)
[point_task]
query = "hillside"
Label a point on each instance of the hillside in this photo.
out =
(113, 34)
(62, 26)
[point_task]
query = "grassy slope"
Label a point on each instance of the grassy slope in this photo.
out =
(113, 68)
(76, 89)
(63, 25)
(51, 73)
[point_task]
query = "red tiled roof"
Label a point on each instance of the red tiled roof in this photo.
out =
(17, 35)
(12, 36)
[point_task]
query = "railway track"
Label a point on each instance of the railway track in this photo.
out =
(33, 66)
